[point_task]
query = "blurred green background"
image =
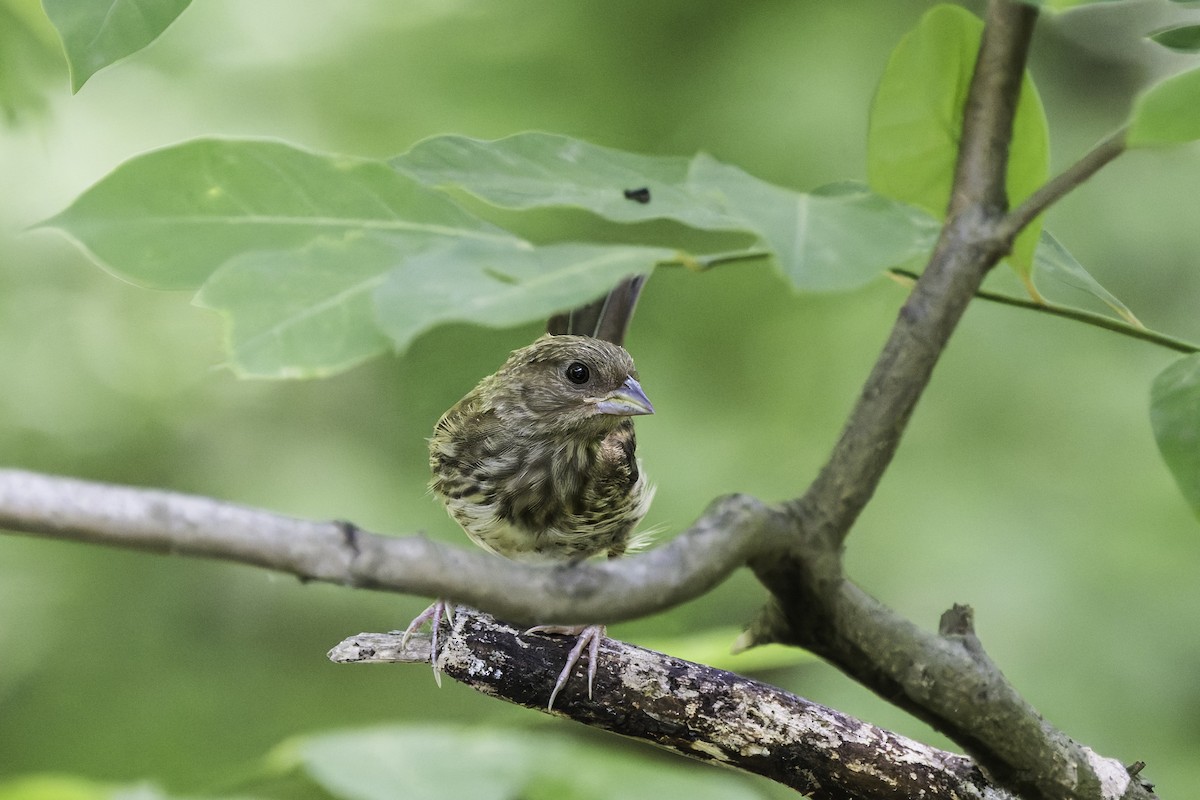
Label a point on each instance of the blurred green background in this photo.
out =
(1028, 485)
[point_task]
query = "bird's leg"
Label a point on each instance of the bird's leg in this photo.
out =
(589, 636)
(439, 610)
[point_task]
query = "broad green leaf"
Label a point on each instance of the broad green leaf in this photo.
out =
(1167, 113)
(546, 170)
(96, 33)
(821, 242)
(305, 312)
(434, 762)
(1175, 417)
(325, 307)
(498, 286)
(917, 116)
(1180, 38)
(318, 262)
(169, 218)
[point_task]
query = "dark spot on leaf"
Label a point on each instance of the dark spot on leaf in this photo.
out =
(640, 195)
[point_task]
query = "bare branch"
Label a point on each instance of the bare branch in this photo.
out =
(723, 539)
(693, 710)
(991, 106)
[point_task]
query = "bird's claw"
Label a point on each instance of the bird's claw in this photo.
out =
(439, 610)
(588, 636)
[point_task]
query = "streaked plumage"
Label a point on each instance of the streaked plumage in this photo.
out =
(536, 466)
(538, 462)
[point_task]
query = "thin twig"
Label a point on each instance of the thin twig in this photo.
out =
(1052, 191)
(1076, 314)
(702, 263)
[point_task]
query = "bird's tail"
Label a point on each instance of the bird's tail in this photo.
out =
(606, 317)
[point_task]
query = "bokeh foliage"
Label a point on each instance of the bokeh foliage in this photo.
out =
(1029, 485)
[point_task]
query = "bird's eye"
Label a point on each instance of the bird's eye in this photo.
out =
(578, 373)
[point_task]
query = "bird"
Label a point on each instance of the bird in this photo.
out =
(538, 462)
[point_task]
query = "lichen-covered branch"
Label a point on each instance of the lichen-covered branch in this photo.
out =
(696, 711)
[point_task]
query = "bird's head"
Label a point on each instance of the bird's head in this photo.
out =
(571, 383)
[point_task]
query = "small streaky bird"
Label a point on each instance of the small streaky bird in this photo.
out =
(538, 462)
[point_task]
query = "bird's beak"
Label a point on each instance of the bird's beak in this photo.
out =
(628, 401)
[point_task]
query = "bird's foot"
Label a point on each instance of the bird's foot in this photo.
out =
(438, 611)
(589, 636)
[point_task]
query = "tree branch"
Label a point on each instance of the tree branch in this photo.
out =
(947, 681)
(866, 639)
(968, 247)
(981, 172)
(693, 710)
(723, 539)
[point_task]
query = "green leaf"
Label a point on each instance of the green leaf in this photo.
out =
(28, 61)
(429, 762)
(547, 170)
(167, 219)
(318, 262)
(1175, 417)
(301, 313)
(96, 33)
(820, 241)
(1167, 113)
(1180, 38)
(827, 240)
(501, 286)
(323, 308)
(1053, 261)
(917, 116)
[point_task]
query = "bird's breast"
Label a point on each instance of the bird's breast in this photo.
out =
(531, 498)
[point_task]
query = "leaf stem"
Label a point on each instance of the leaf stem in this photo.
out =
(702, 263)
(1077, 314)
